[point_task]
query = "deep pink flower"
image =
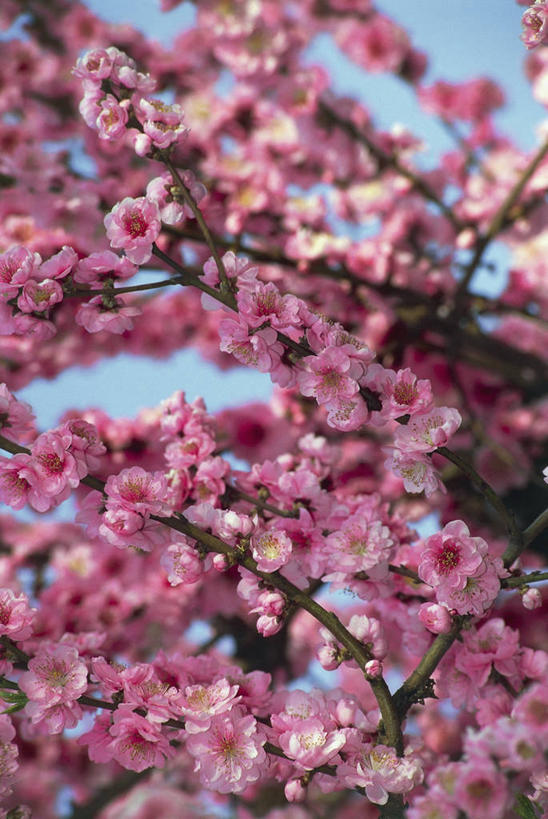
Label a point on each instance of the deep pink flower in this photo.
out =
(329, 377)
(230, 755)
(16, 417)
(261, 350)
(449, 557)
(97, 267)
(39, 296)
(17, 266)
(15, 488)
(54, 468)
(93, 316)
(134, 225)
(58, 266)
(137, 490)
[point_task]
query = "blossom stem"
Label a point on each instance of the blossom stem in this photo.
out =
(226, 287)
(535, 528)
(260, 504)
(523, 579)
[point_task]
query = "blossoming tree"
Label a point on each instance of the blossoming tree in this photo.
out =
(369, 671)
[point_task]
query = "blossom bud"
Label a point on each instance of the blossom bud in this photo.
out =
(294, 790)
(435, 618)
(373, 668)
(531, 598)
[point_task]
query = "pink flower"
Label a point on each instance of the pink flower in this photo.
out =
(200, 703)
(479, 592)
(449, 557)
(427, 431)
(137, 490)
(535, 24)
(126, 529)
(137, 743)
(54, 468)
(401, 393)
(531, 599)
(15, 488)
(271, 550)
(230, 755)
(261, 350)
(182, 563)
(112, 118)
(436, 618)
(162, 191)
(481, 790)
(381, 772)
(134, 225)
(369, 631)
(17, 266)
(531, 709)
(95, 64)
(162, 123)
(56, 675)
(361, 544)
(329, 377)
(310, 743)
(85, 444)
(97, 267)
(93, 316)
(16, 617)
(416, 470)
(39, 296)
(266, 304)
(58, 266)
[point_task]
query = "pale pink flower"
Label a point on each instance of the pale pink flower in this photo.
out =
(93, 316)
(137, 743)
(369, 631)
(531, 709)
(162, 191)
(435, 618)
(478, 592)
(97, 267)
(535, 24)
(373, 668)
(162, 123)
(378, 44)
(39, 296)
(85, 443)
(55, 675)
(17, 266)
(134, 225)
(182, 563)
(200, 703)
(427, 431)
(94, 65)
(271, 550)
(239, 270)
(98, 739)
(361, 543)
(112, 118)
(449, 557)
(16, 617)
(137, 490)
(416, 470)
(381, 772)
(261, 350)
(53, 719)
(310, 743)
(347, 414)
(401, 393)
(230, 755)
(8, 755)
(58, 266)
(481, 790)
(16, 417)
(126, 529)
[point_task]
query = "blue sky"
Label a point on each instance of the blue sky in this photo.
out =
(464, 38)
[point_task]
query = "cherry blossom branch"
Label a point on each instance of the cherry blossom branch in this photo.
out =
(391, 728)
(261, 504)
(226, 288)
(524, 579)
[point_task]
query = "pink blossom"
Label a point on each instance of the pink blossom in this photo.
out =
(436, 618)
(97, 267)
(17, 266)
(137, 490)
(271, 550)
(449, 557)
(55, 675)
(162, 123)
(230, 755)
(329, 376)
(16, 617)
(239, 270)
(361, 543)
(95, 64)
(373, 669)
(54, 468)
(416, 470)
(381, 772)
(15, 488)
(112, 118)
(266, 304)
(127, 529)
(134, 225)
(85, 444)
(479, 591)
(377, 45)
(137, 743)
(531, 709)
(200, 703)
(426, 431)
(531, 599)
(58, 266)
(94, 316)
(481, 790)
(401, 393)
(39, 296)
(310, 744)
(182, 563)
(535, 24)
(368, 630)
(347, 414)
(162, 191)
(53, 719)
(261, 350)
